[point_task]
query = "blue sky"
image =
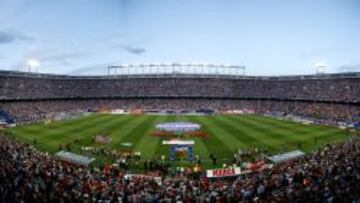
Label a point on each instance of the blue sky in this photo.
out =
(269, 37)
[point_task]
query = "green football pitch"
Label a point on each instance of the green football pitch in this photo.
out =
(227, 134)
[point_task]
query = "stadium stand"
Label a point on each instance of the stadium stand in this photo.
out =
(327, 96)
(329, 174)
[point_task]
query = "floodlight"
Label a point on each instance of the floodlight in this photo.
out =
(33, 63)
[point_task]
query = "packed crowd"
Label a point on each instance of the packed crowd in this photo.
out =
(331, 174)
(33, 98)
(341, 88)
(27, 111)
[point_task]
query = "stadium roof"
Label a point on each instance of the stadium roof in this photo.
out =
(179, 75)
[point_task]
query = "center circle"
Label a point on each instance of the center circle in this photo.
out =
(178, 127)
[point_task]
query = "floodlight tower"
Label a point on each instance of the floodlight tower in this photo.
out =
(32, 64)
(320, 67)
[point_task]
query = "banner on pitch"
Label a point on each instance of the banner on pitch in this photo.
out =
(223, 172)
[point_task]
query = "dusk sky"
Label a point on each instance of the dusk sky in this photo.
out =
(269, 37)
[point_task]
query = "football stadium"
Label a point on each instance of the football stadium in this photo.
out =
(174, 131)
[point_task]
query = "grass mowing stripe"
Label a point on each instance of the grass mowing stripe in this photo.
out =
(250, 132)
(239, 131)
(288, 138)
(326, 133)
(106, 128)
(137, 131)
(62, 123)
(295, 139)
(52, 143)
(119, 135)
(271, 131)
(67, 128)
(39, 127)
(289, 125)
(148, 145)
(322, 141)
(282, 132)
(85, 126)
(216, 141)
(301, 132)
(84, 135)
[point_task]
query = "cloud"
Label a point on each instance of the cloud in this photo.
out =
(7, 37)
(134, 50)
